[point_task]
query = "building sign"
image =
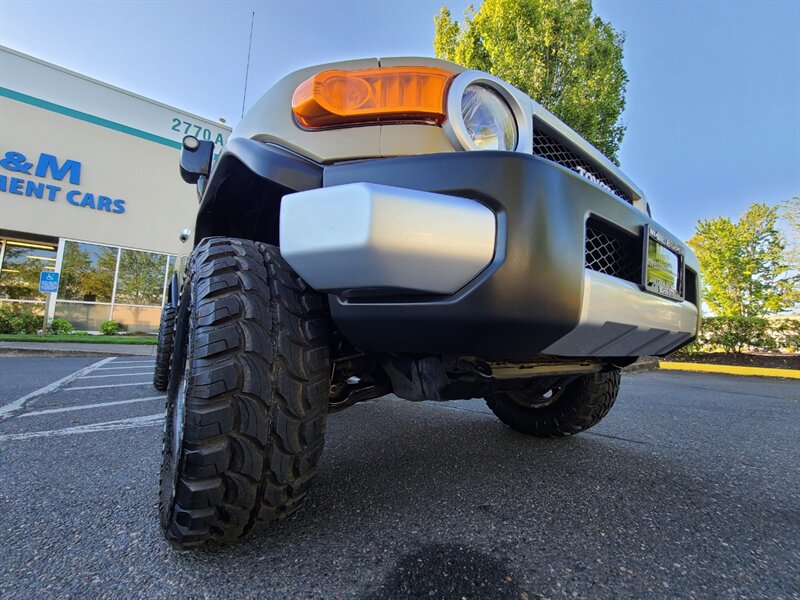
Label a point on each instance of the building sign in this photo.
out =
(18, 173)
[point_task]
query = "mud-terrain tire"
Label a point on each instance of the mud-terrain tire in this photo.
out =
(166, 337)
(248, 398)
(581, 405)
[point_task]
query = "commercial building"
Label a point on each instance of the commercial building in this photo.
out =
(89, 187)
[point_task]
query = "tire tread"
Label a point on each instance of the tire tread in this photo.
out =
(258, 393)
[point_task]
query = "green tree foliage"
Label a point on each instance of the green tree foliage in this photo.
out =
(141, 277)
(743, 264)
(554, 50)
(790, 212)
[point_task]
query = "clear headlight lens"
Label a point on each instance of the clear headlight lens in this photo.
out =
(489, 120)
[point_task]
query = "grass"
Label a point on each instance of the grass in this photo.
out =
(146, 340)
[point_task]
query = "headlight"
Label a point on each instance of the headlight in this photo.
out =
(488, 119)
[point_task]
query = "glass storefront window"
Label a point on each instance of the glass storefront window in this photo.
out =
(87, 272)
(141, 278)
(19, 272)
(36, 308)
(138, 319)
(98, 282)
(84, 316)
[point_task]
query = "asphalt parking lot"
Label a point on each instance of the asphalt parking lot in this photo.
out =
(689, 488)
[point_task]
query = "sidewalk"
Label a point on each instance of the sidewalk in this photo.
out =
(76, 349)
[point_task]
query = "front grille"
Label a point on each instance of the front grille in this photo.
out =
(613, 252)
(547, 147)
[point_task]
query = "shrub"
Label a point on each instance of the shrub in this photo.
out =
(737, 334)
(26, 322)
(59, 326)
(110, 328)
(742, 334)
(6, 316)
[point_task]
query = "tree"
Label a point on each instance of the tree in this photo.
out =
(555, 51)
(790, 214)
(743, 264)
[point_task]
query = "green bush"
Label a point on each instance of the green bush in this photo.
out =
(59, 326)
(24, 322)
(80, 333)
(742, 334)
(6, 316)
(737, 334)
(110, 328)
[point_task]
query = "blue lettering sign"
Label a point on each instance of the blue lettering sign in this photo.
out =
(48, 162)
(71, 197)
(34, 189)
(48, 166)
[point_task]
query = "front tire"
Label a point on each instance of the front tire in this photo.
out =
(247, 404)
(580, 405)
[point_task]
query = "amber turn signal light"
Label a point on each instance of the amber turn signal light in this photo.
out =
(383, 95)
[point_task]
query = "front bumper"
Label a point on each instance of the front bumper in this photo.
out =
(536, 295)
(533, 295)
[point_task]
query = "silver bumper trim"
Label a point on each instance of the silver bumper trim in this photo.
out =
(364, 236)
(619, 319)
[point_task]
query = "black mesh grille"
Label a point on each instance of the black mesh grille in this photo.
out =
(613, 252)
(547, 147)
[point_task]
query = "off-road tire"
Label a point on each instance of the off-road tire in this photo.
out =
(166, 338)
(582, 404)
(252, 357)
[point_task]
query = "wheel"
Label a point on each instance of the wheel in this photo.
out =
(562, 411)
(166, 336)
(247, 402)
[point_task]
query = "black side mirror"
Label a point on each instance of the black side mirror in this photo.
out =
(196, 157)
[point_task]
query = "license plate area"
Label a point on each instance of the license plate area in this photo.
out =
(663, 270)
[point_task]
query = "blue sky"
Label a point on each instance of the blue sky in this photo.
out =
(713, 104)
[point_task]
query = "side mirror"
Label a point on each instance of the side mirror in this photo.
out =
(196, 157)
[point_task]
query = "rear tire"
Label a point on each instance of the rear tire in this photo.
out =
(581, 405)
(247, 404)
(166, 338)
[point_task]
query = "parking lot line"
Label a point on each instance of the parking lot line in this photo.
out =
(134, 422)
(134, 362)
(50, 411)
(115, 375)
(142, 366)
(19, 403)
(110, 385)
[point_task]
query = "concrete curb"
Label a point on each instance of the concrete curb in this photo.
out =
(730, 370)
(74, 349)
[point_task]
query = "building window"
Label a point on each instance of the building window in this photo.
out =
(141, 278)
(20, 265)
(87, 272)
(97, 283)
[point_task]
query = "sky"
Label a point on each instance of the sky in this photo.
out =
(713, 103)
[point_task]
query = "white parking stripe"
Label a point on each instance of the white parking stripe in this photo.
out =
(115, 375)
(97, 387)
(143, 366)
(19, 403)
(134, 362)
(146, 421)
(50, 411)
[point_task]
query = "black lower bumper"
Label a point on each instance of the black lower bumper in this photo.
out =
(529, 296)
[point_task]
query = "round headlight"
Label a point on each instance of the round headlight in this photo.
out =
(488, 118)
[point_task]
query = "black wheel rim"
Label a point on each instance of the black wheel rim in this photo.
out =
(536, 401)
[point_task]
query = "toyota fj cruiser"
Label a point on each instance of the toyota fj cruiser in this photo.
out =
(397, 226)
